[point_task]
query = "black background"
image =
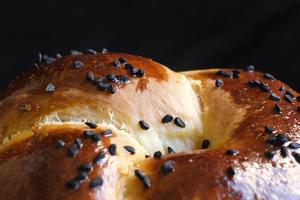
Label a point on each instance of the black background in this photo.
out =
(180, 34)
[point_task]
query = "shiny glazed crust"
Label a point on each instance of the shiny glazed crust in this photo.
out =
(236, 114)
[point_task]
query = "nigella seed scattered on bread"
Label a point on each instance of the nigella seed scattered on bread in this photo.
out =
(89, 134)
(86, 167)
(269, 76)
(107, 133)
(232, 152)
(123, 60)
(205, 144)
(167, 118)
(96, 182)
(277, 109)
(157, 155)
(104, 50)
(296, 156)
(284, 151)
(288, 98)
(144, 125)
(91, 124)
(117, 63)
(96, 138)
(82, 176)
(98, 159)
(142, 176)
(58, 55)
(294, 145)
(274, 97)
(112, 149)
(75, 52)
(269, 129)
(79, 143)
(50, 87)
(78, 64)
(91, 51)
(250, 68)
(60, 143)
(230, 172)
(269, 154)
(168, 166)
(170, 150)
(73, 150)
(179, 122)
(90, 76)
(130, 149)
(73, 184)
(219, 83)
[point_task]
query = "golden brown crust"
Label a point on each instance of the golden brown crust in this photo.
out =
(233, 116)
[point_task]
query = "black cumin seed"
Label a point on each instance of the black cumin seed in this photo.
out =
(284, 151)
(269, 129)
(179, 122)
(281, 139)
(110, 77)
(100, 79)
(250, 68)
(220, 73)
(75, 52)
(90, 76)
(107, 133)
(144, 125)
(58, 55)
(111, 89)
(274, 97)
(265, 88)
(147, 156)
(79, 143)
(219, 83)
(269, 76)
(269, 154)
(98, 181)
(167, 118)
(277, 109)
(272, 140)
(72, 184)
(288, 98)
(103, 86)
(296, 156)
(170, 150)
(92, 51)
(121, 79)
(123, 60)
(130, 149)
(81, 177)
(73, 150)
(99, 157)
(104, 50)
(117, 63)
(142, 176)
(89, 133)
(86, 167)
(49, 59)
(112, 149)
(91, 124)
(78, 64)
(205, 144)
(168, 167)
(96, 138)
(289, 93)
(60, 143)
(230, 172)
(294, 145)
(157, 155)
(232, 152)
(282, 89)
(40, 58)
(140, 73)
(50, 87)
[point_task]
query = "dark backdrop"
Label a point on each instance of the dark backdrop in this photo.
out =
(180, 34)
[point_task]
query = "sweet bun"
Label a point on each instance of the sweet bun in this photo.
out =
(118, 126)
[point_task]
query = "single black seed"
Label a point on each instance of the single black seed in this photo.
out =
(269, 76)
(96, 138)
(140, 73)
(168, 167)
(92, 51)
(167, 118)
(219, 83)
(272, 140)
(123, 60)
(35, 65)
(134, 71)
(117, 63)
(75, 52)
(98, 159)
(144, 125)
(107, 133)
(100, 79)
(103, 86)
(112, 149)
(269, 129)
(269, 154)
(277, 109)
(296, 156)
(170, 150)
(40, 58)
(228, 75)
(282, 89)
(78, 64)
(86, 167)
(79, 143)
(230, 172)
(294, 145)
(205, 144)
(284, 151)
(142, 176)
(89, 133)
(252, 83)
(111, 89)
(290, 94)
(232, 152)
(274, 97)
(236, 76)
(96, 182)
(58, 55)
(60, 143)
(81, 177)
(110, 77)
(121, 79)
(91, 124)
(220, 73)
(104, 50)
(50, 87)
(288, 98)
(157, 155)
(48, 59)
(265, 88)
(179, 122)
(281, 139)
(250, 68)
(130, 149)
(73, 150)
(147, 156)
(73, 184)
(90, 76)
